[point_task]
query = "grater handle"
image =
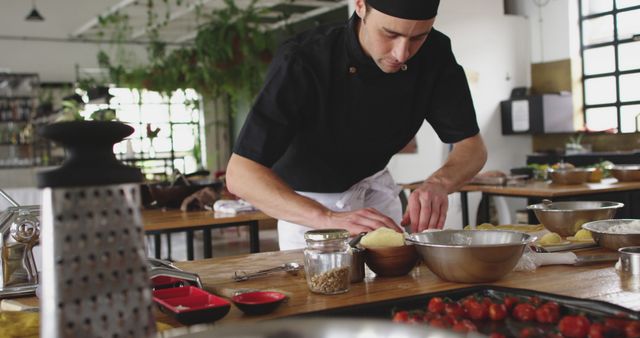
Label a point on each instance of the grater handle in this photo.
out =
(8, 198)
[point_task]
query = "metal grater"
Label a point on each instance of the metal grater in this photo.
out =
(95, 276)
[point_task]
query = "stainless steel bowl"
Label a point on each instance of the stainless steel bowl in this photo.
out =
(570, 176)
(626, 173)
(605, 237)
(566, 218)
(471, 256)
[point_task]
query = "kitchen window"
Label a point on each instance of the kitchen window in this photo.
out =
(610, 50)
(178, 141)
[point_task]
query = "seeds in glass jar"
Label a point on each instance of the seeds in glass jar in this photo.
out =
(332, 281)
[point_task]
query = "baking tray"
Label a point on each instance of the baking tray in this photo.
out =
(510, 327)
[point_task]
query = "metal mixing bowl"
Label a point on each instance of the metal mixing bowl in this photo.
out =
(570, 175)
(471, 256)
(606, 238)
(565, 218)
(625, 173)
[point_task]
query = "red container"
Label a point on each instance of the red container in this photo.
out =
(258, 302)
(190, 305)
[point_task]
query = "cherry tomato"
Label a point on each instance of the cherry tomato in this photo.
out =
(535, 300)
(524, 312)
(477, 310)
(597, 330)
(530, 332)
(464, 325)
(454, 309)
(401, 317)
(510, 302)
(616, 325)
(436, 305)
(497, 311)
(497, 335)
(439, 323)
(545, 314)
(414, 319)
(632, 329)
(574, 326)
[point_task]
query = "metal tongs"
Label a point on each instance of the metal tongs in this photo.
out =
(159, 267)
(291, 267)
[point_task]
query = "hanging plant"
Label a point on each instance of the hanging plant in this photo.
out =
(228, 56)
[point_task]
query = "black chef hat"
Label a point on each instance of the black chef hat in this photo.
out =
(407, 9)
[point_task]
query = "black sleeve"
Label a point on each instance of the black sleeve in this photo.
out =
(275, 115)
(451, 111)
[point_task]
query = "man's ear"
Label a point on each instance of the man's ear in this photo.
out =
(360, 8)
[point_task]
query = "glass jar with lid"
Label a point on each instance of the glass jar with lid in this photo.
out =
(327, 261)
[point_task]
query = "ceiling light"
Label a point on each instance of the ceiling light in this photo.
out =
(34, 15)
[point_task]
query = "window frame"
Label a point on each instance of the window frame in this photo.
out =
(616, 72)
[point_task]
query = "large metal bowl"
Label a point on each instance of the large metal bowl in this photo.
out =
(570, 175)
(626, 173)
(606, 236)
(471, 256)
(566, 218)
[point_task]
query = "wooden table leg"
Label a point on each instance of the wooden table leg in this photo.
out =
(157, 244)
(206, 239)
(190, 245)
(254, 237)
(464, 201)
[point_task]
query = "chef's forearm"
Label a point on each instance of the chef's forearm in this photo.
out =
(465, 161)
(262, 188)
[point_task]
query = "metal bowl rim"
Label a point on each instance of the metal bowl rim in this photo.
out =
(626, 167)
(570, 170)
(544, 207)
(527, 239)
(588, 225)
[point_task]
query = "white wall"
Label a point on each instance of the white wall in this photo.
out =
(494, 50)
(553, 28)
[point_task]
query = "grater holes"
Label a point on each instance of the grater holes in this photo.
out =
(67, 238)
(70, 325)
(109, 192)
(121, 252)
(125, 231)
(59, 218)
(85, 279)
(117, 212)
(89, 215)
(121, 192)
(104, 213)
(69, 282)
(74, 216)
(82, 194)
(92, 257)
(60, 305)
(129, 211)
(67, 195)
(96, 193)
(105, 257)
(94, 298)
(115, 274)
(77, 301)
(131, 333)
(60, 261)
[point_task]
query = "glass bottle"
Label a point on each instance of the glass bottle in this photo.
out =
(327, 261)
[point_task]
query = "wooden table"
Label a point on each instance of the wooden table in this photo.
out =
(157, 222)
(599, 281)
(544, 189)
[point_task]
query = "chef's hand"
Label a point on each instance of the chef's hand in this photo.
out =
(362, 220)
(427, 207)
(197, 200)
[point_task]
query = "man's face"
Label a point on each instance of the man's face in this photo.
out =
(390, 41)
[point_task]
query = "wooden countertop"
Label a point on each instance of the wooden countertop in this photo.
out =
(157, 219)
(600, 282)
(548, 190)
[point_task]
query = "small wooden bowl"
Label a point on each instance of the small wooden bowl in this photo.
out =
(392, 261)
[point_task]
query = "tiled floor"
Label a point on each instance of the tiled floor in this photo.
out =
(225, 242)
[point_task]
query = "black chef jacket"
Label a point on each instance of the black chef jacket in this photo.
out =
(328, 117)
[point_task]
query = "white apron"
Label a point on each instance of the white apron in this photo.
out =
(378, 191)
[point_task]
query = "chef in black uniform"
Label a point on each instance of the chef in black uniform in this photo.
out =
(338, 102)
